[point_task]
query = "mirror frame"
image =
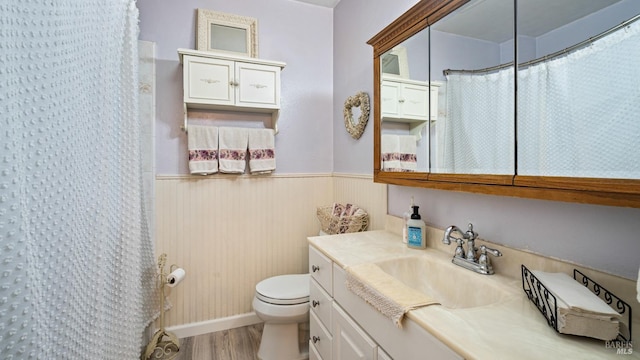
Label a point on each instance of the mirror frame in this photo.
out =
(601, 191)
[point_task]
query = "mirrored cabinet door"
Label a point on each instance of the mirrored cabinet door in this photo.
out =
(578, 94)
(472, 63)
(404, 106)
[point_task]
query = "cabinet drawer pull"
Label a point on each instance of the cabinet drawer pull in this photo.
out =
(315, 303)
(210, 81)
(315, 339)
(315, 268)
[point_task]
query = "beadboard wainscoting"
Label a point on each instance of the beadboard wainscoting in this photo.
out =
(230, 232)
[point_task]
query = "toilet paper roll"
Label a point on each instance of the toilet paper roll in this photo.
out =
(175, 277)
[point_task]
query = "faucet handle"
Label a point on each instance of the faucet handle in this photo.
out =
(484, 250)
(484, 260)
(459, 249)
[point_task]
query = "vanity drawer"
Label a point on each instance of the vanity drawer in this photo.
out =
(320, 338)
(321, 269)
(350, 340)
(320, 303)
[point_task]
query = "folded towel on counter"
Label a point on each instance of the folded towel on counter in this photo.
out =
(233, 149)
(390, 152)
(580, 312)
(386, 294)
(202, 142)
(262, 155)
(407, 148)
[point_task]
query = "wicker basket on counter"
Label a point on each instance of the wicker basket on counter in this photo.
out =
(332, 223)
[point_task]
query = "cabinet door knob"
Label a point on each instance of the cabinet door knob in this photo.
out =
(315, 339)
(315, 268)
(315, 303)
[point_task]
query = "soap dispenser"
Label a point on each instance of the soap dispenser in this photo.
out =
(415, 230)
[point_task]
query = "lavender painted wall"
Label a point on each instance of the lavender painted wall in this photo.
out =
(296, 33)
(600, 237)
(354, 23)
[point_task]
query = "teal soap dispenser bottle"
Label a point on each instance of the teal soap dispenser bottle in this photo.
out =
(415, 230)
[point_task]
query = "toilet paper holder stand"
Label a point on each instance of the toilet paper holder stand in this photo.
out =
(163, 342)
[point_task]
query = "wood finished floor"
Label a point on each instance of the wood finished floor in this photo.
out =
(234, 344)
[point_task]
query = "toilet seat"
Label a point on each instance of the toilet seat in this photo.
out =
(284, 289)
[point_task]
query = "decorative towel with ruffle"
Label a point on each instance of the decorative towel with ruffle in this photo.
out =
(389, 296)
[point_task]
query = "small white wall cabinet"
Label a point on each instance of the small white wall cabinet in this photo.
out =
(227, 82)
(409, 101)
(345, 327)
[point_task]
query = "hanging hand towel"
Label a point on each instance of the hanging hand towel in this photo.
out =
(233, 149)
(262, 155)
(390, 148)
(202, 142)
(407, 149)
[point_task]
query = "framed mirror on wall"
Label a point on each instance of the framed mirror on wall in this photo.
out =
(227, 33)
(531, 136)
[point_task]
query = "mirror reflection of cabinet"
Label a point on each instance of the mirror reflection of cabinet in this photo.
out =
(504, 116)
(404, 100)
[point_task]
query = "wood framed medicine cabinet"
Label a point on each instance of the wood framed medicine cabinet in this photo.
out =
(601, 191)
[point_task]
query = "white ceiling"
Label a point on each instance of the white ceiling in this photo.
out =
(536, 17)
(325, 3)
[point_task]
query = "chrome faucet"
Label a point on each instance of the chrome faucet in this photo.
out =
(469, 259)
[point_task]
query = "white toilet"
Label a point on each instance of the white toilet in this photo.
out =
(282, 302)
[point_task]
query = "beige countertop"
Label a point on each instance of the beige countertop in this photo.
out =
(511, 329)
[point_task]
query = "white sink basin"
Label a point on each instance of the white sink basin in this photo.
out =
(451, 285)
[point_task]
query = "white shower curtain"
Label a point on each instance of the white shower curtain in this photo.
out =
(477, 136)
(567, 122)
(76, 258)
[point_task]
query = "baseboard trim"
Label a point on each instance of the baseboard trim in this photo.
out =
(209, 326)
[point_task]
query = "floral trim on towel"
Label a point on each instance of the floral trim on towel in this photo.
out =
(390, 157)
(408, 158)
(233, 154)
(261, 154)
(399, 157)
(402, 158)
(203, 155)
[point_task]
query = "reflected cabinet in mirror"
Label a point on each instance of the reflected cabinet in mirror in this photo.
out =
(527, 98)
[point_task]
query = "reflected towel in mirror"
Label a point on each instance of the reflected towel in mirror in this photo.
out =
(407, 148)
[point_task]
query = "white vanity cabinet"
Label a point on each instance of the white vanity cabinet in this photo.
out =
(334, 335)
(407, 101)
(320, 300)
(227, 82)
(353, 329)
